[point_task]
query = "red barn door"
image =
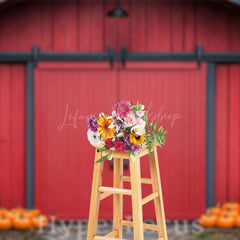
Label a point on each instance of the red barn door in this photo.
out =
(174, 94)
(66, 94)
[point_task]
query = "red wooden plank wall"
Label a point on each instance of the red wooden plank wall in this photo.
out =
(227, 123)
(153, 26)
(83, 26)
(64, 157)
(12, 135)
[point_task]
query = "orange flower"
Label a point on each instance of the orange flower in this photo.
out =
(104, 130)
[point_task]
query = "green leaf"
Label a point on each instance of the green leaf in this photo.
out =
(151, 124)
(155, 127)
(104, 148)
(132, 156)
(106, 157)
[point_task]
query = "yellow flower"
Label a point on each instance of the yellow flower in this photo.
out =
(104, 130)
(137, 139)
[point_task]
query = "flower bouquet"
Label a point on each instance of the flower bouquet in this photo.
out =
(126, 130)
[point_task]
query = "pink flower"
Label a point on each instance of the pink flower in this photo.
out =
(131, 120)
(140, 113)
(141, 122)
(122, 108)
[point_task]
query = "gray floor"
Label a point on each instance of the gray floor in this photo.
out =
(78, 231)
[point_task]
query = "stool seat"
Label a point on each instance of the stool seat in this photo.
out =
(101, 192)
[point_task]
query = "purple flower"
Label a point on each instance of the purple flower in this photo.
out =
(127, 140)
(136, 148)
(126, 148)
(92, 123)
(122, 108)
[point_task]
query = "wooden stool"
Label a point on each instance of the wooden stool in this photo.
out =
(100, 192)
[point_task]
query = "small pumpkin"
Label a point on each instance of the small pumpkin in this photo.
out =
(21, 223)
(35, 212)
(40, 221)
(19, 210)
(230, 213)
(225, 222)
(207, 220)
(231, 206)
(3, 211)
(12, 214)
(237, 221)
(5, 223)
(215, 210)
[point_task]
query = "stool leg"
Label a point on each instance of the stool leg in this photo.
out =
(136, 199)
(117, 198)
(158, 202)
(94, 206)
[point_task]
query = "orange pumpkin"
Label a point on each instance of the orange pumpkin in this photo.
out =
(28, 214)
(3, 211)
(19, 210)
(21, 223)
(12, 214)
(35, 212)
(207, 220)
(5, 223)
(231, 206)
(40, 221)
(237, 221)
(215, 211)
(225, 222)
(229, 213)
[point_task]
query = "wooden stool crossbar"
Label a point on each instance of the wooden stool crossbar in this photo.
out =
(101, 192)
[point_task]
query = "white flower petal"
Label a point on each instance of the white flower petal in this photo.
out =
(94, 138)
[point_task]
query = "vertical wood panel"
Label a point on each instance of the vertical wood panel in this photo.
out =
(65, 26)
(18, 145)
(12, 136)
(221, 135)
(97, 20)
(227, 156)
(138, 25)
(177, 26)
(189, 26)
(84, 31)
(234, 133)
(110, 26)
(5, 135)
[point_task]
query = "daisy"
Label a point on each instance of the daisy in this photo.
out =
(105, 131)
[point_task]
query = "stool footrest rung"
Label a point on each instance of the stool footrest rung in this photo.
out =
(106, 238)
(143, 180)
(149, 198)
(115, 190)
(112, 234)
(145, 225)
(104, 195)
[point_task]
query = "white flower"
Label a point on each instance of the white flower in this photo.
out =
(101, 114)
(141, 122)
(142, 107)
(138, 129)
(94, 138)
